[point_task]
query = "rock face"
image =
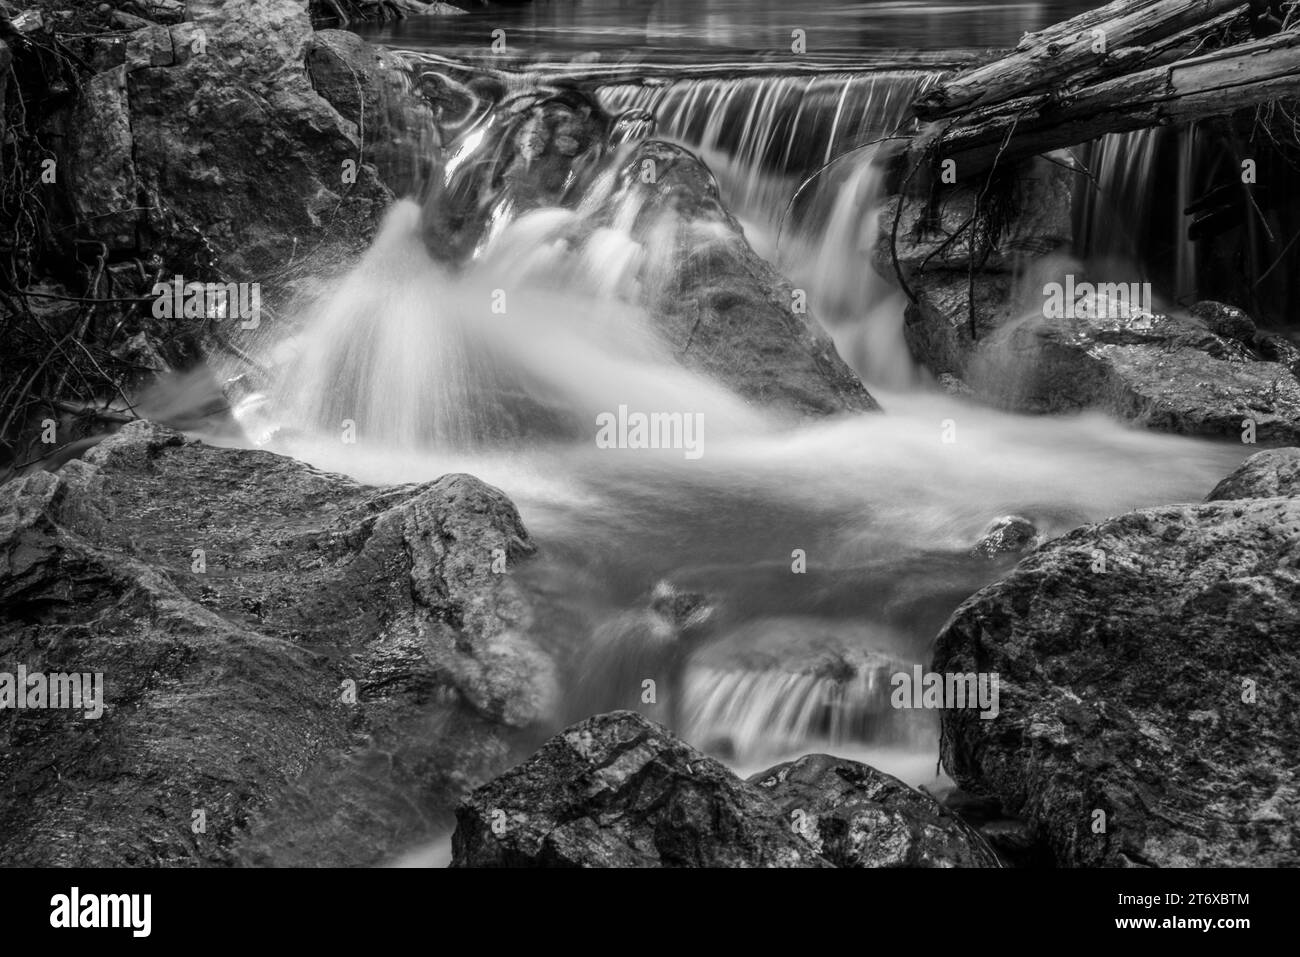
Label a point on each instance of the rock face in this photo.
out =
(371, 89)
(1147, 669)
(257, 623)
(202, 141)
(617, 790)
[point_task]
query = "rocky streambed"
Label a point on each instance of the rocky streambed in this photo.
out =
(304, 669)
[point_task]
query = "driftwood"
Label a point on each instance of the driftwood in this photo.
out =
(1115, 39)
(1056, 90)
(1212, 84)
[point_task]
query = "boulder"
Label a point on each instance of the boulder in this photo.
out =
(1147, 667)
(202, 141)
(258, 623)
(1269, 474)
(1171, 373)
(716, 304)
(721, 307)
(617, 790)
(856, 816)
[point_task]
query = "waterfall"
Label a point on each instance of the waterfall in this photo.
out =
(763, 137)
(1128, 217)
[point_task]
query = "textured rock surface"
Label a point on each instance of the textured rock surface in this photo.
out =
(225, 686)
(1148, 669)
(1011, 533)
(722, 308)
(617, 790)
(1264, 475)
(204, 142)
(1169, 373)
(856, 816)
(371, 89)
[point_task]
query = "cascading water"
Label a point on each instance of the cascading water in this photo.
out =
(825, 555)
(764, 137)
(1116, 220)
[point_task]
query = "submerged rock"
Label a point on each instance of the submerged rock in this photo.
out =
(256, 622)
(1146, 669)
(1011, 533)
(617, 790)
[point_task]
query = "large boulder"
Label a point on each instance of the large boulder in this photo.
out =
(722, 308)
(646, 217)
(617, 790)
(203, 142)
(256, 622)
(1147, 670)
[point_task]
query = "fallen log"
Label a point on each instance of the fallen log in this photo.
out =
(1212, 84)
(1117, 38)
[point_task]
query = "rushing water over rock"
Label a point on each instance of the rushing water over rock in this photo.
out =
(814, 558)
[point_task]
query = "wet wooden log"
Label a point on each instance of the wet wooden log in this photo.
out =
(1118, 38)
(1212, 84)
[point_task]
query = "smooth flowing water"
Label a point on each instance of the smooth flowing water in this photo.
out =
(828, 553)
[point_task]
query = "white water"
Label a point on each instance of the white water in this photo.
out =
(883, 508)
(435, 380)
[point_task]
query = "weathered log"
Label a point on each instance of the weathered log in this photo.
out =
(1117, 38)
(1212, 84)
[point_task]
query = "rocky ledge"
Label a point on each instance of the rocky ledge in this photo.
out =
(1149, 668)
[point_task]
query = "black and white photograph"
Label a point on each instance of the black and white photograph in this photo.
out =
(650, 434)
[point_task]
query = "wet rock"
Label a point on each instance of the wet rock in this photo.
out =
(954, 386)
(1167, 372)
(371, 89)
(101, 165)
(618, 791)
(1008, 534)
(936, 236)
(258, 623)
(539, 149)
(856, 816)
(719, 307)
(1206, 373)
(1145, 665)
(1264, 475)
(150, 46)
(722, 308)
(1225, 320)
(217, 154)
